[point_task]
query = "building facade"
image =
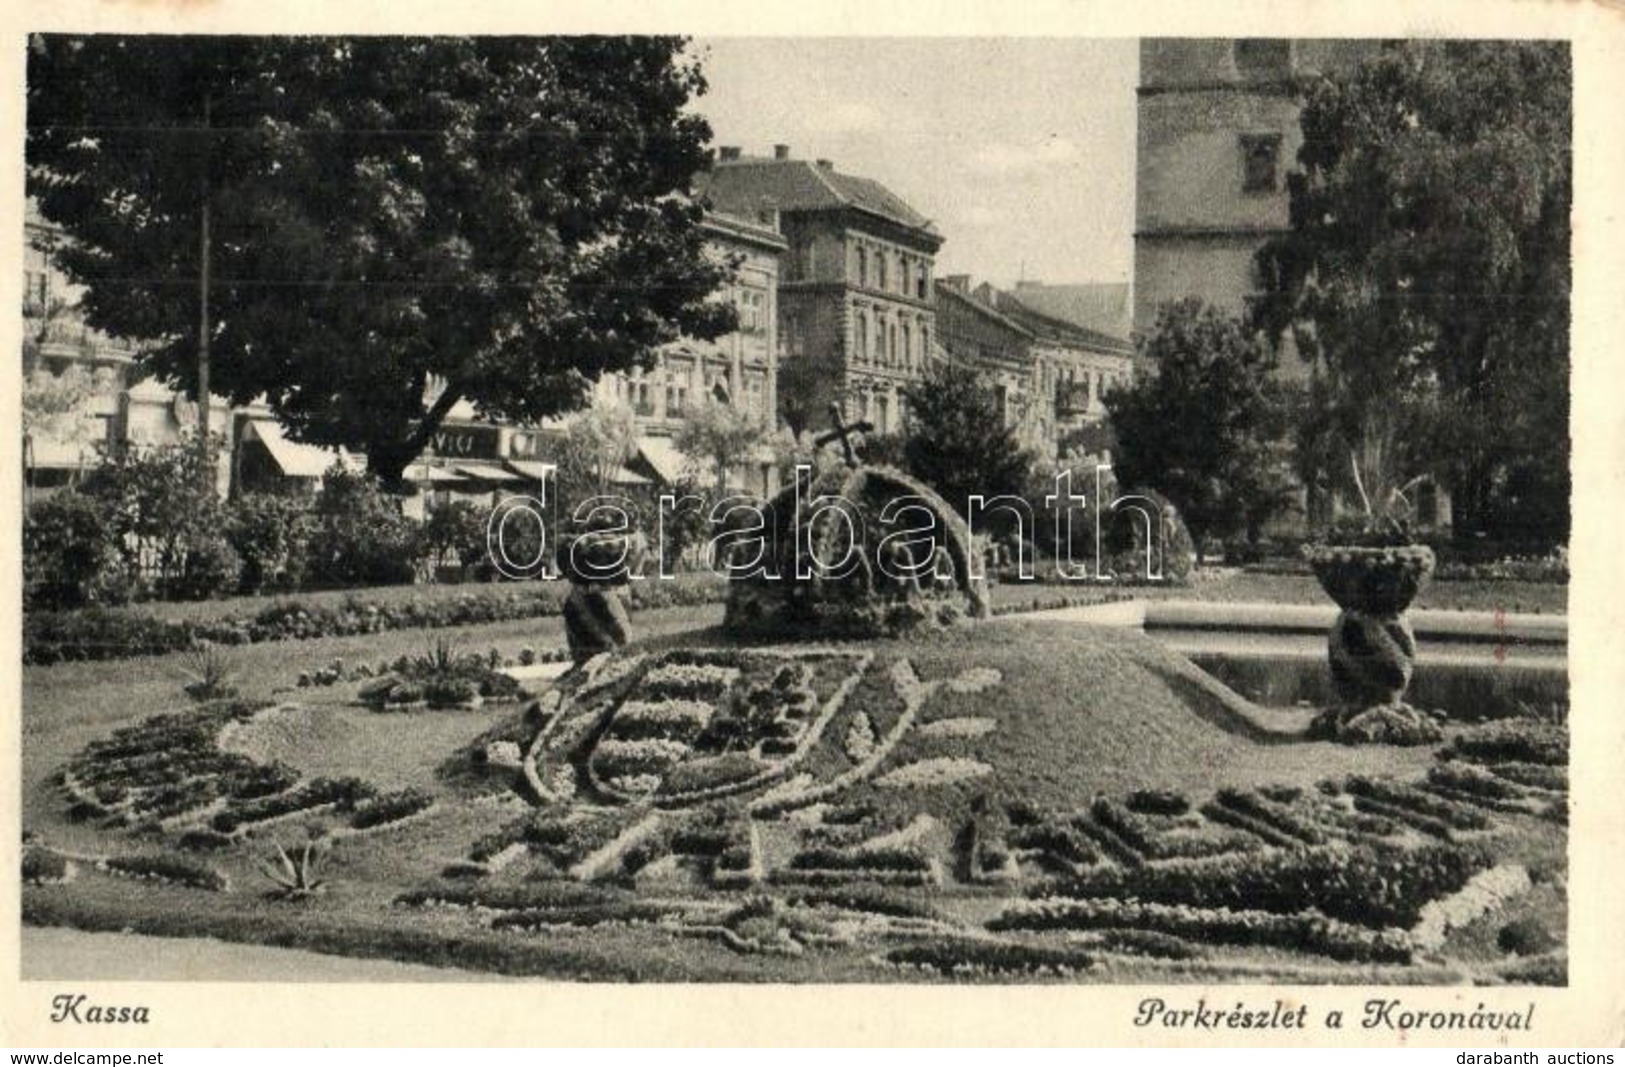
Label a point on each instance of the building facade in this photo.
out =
(856, 311)
(111, 407)
(741, 368)
(1217, 132)
(1073, 366)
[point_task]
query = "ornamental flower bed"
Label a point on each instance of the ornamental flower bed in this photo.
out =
(964, 956)
(1302, 931)
(1369, 885)
(175, 870)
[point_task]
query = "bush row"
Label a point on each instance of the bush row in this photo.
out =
(100, 634)
(1303, 932)
(1370, 885)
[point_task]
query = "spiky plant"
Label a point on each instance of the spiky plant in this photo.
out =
(211, 671)
(297, 874)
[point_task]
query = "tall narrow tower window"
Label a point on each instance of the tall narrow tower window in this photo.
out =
(1260, 160)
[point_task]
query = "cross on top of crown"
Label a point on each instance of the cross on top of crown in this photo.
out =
(842, 432)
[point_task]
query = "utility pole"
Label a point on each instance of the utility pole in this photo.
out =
(203, 299)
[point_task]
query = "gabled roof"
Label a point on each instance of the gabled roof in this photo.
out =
(744, 186)
(1053, 328)
(986, 311)
(1105, 307)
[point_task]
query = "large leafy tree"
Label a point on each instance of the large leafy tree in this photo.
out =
(394, 224)
(1426, 274)
(957, 441)
(1206, 424)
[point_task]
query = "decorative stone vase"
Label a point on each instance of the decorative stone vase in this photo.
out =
(1371, 648)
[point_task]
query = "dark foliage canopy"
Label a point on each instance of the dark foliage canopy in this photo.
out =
(1427, 269)
(397, 224)
(1206, 424)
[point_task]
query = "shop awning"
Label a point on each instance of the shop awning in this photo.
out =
(628, 476)
(50, 454)
(668, 462)
(294, 459)
(535, 470)
(428, 474)
(488, 472)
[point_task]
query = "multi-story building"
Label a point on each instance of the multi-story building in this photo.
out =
(856, 312)
(1050, 375)
(1218, 129)
(110, 408)
(977, 335)
(740, 368)
(1073, 366)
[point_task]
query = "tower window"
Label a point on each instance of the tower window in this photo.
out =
(1260, 160)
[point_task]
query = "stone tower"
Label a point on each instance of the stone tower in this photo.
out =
(1218, 132)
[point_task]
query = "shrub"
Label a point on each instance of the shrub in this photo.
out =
(1525, 937)
(180, 870)
(70, 553)
(454, 533)
(358, 534)
(1520, 740)
(270, 533)
(209, 568)
(41, 867)
(390, 807)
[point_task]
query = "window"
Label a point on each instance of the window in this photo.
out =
(898, 356)
(863, 267)
(908, 347)
(880, 269)
(676, 399)
(791, 339)
(921, 282)
(1260, 154)
(860, 335)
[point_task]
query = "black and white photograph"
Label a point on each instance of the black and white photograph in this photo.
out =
(1062, 512)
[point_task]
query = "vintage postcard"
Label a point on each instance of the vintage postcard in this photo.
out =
(1080, 526)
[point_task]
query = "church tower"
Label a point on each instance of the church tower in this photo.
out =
(1218, 132)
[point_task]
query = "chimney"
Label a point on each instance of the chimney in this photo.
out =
(769, 216)
(728, 153)
(781, 151)
(825, 164)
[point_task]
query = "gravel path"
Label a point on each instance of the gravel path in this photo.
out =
(59, 954)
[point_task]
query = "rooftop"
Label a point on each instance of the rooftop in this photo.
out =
(743, 185)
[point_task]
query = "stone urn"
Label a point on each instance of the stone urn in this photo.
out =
(1371, 648)
(598, 564)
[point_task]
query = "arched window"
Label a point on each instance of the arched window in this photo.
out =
(908, 347)
(863, 266)
(860, 335)
(880, 269)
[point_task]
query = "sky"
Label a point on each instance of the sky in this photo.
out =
(1021, 150)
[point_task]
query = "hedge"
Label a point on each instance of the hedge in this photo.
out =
(102, 634)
